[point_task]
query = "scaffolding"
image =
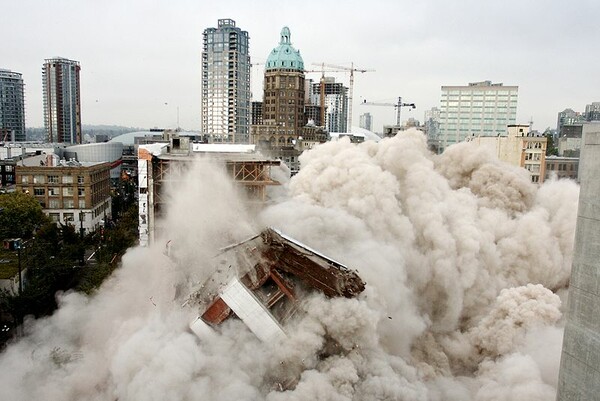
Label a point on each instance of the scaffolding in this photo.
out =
(250, 171)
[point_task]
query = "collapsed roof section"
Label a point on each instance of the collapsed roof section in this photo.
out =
(261, 280)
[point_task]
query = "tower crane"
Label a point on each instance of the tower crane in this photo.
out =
(397, 105)
(339, 68)
(322, 89)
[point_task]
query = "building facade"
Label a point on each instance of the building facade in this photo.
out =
(257, 113)
(518, 148)
(568, 117)
(12, 106)
(478, 109)
(7, 172)
(432, 128)
(226, 83)
(592, 111)
(562, 167)
(69, 192)
(569, 143)
(366, 121)
(62, 100)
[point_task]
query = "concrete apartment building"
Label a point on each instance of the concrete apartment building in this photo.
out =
(518, 148)
(70, 192)
(478, 109)
(62, 100)
(226, 83)
(12, 106)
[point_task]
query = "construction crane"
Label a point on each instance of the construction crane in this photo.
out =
(398, 107)
(339, 68)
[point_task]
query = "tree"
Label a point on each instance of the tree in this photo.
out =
(20, 214)
(551, 150)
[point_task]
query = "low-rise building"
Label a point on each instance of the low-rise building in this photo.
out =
(562, 167)
(519, 148)
(70, 192)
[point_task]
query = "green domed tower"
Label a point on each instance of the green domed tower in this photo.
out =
(285, 56)
(283, 100)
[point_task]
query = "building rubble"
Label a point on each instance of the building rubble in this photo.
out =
(261, 281)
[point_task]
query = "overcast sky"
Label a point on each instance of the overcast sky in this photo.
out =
(137, 55)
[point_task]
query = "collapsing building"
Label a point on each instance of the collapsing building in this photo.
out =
(158, 161)
(262, 279)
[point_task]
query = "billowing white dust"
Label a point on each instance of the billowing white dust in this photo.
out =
(462, 255)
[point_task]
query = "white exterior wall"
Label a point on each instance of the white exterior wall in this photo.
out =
(253, 313)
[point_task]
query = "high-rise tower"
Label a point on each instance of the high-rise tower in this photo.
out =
(226, 83)
(12, 106)
(283, 101)
(62, 100)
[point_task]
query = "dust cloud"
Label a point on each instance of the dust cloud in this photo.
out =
(466, 263)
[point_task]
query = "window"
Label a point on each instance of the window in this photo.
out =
(67, 179)
(52, 179)
(39, 191)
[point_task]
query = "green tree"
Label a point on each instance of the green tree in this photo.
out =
(551, 150)
(20, 214)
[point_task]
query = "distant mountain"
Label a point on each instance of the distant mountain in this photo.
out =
(39, 134)
(90, 127)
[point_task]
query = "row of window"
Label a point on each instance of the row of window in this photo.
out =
(55, 191)
(534, 145)
(533, 156)
(51, 179)
(65, 204)
(534, 168)
(562, 166)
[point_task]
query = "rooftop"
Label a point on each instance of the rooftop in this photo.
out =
(285, 56)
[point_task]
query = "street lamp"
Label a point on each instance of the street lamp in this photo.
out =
(81, 245)
(18, 246)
